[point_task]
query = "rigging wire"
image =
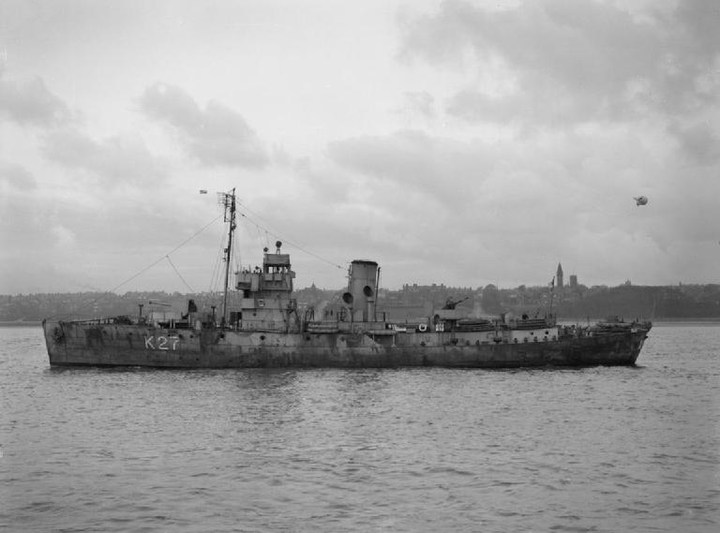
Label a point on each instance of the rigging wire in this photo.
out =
(166, 255)
(216, 275)
(178, 274)
(268, 232)
(212, 285)
(217, 281)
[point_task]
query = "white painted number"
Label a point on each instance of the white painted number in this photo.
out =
(163, 343)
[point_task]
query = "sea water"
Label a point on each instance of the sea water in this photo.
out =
(408, 450)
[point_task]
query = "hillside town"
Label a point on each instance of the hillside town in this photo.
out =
(568, 301)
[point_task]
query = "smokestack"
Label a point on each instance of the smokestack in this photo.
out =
(361, 295)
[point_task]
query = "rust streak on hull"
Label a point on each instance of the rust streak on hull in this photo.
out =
(79, 343)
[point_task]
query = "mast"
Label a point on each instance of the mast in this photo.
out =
(228, 200)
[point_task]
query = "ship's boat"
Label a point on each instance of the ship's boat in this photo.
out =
(268, 329)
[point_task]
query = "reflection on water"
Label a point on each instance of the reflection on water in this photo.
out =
(593, 449)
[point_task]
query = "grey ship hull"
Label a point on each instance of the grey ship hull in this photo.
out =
(106, 344)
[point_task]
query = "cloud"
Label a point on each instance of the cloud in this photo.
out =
(509, 136)
(216, 135)
(31, 103)
(699, 142)
(63, 237)
(116, 159)
(572, 62)
(557, 195)
(421, 102)
(16, 177)
(414, 160)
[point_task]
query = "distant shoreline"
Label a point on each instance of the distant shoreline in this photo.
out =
(656, 322)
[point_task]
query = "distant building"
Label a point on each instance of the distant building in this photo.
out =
(573, 281)
(559, 276)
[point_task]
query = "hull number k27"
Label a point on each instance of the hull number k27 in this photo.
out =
(161, 343)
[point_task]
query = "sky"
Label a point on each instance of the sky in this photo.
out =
(458, 142)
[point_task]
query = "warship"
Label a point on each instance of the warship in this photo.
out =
(267, 329)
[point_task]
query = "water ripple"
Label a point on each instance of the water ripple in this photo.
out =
(416, 450)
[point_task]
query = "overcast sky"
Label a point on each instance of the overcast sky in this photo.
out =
(459, 142)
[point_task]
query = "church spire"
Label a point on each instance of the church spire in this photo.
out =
(559, 276)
